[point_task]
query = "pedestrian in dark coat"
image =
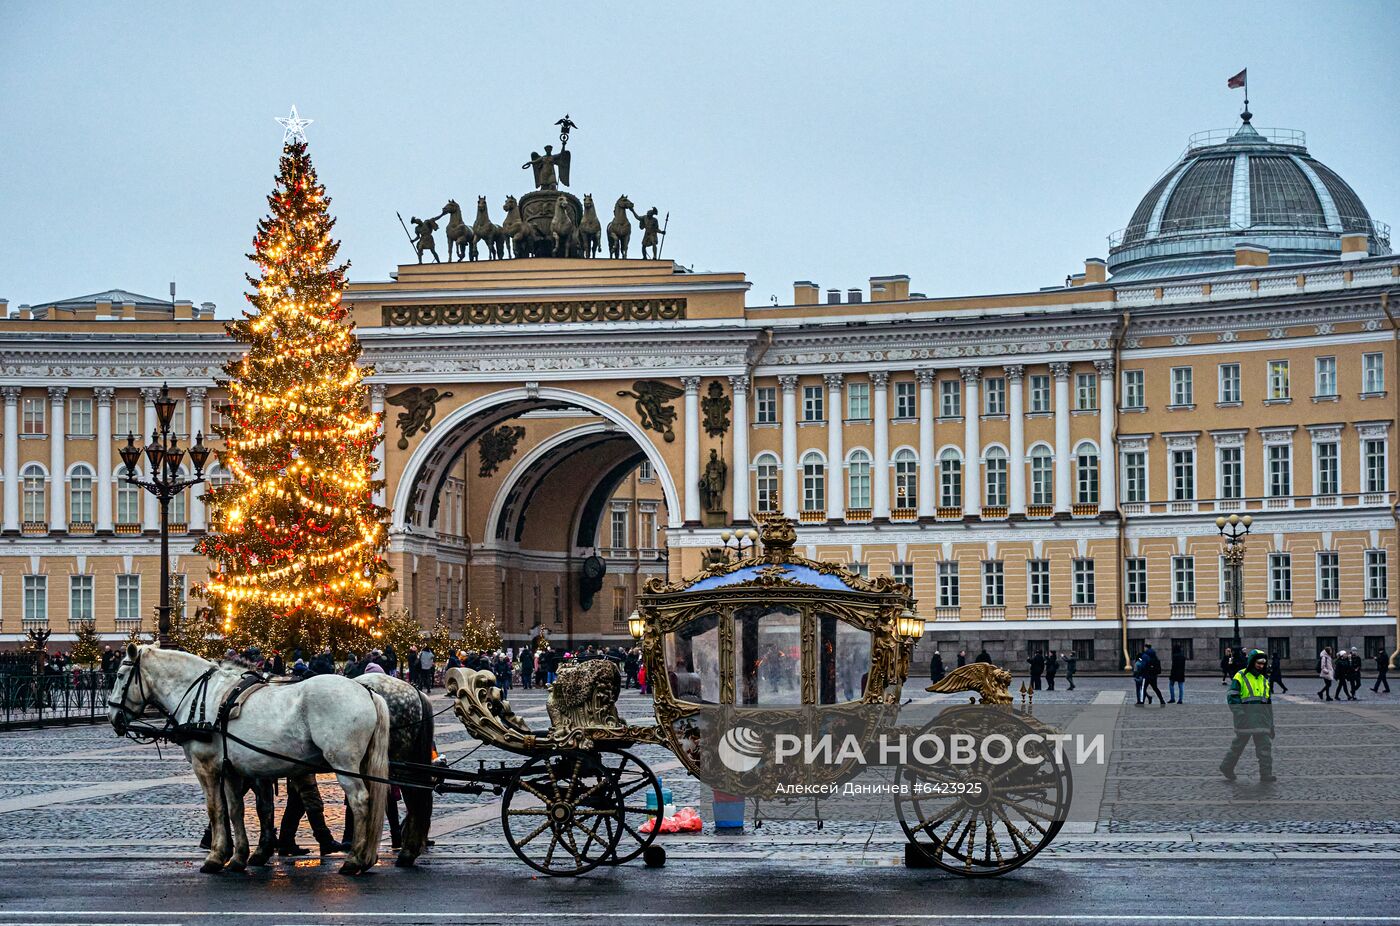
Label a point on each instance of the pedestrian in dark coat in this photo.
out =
(1037, 664)
(935, 668)
(1176, 675)
(1071, 663)
(984, 656)
(1052, 668)
(1227, 666)
(962, 658)
(1382, 667)
(1276, 674)
(1150, 674)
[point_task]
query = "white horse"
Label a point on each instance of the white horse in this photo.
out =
(326, 718)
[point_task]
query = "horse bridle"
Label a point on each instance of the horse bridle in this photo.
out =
(127, 715)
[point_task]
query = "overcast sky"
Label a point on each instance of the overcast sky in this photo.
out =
(977, 147)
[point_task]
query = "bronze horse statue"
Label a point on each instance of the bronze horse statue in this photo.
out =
(620, 228)
(561, 228)
(485, 230)
(590, 230)
(517, 233)
(459, 233)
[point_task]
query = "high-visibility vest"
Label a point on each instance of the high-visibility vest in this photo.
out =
(1254, 689)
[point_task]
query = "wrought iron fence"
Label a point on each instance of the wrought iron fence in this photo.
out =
(28, 700)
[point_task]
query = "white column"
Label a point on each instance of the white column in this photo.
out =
(972, 442)
(11, 459)
(1062, 451)
(377, 393)
(102, 395)
(1016, 409)
(692, 448)
(880, 481)
(195, 396)
(1108, 454)
(835, 449)
(740, 472)
(58, 444)
(928, 466)
(790, 500)
(150, 520)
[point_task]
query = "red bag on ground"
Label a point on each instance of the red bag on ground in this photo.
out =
(686, 820)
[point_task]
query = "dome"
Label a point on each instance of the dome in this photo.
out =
(1245, 185)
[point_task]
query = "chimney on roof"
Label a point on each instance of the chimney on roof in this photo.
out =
(4, 308)
(853, 295)
(206, 310)
(889, 289)
(1251, 255)
(184, 309)
(833, 297)
(25, 311)
(1355, 246)
(805, 292)
(1095, 270)
(128, 309)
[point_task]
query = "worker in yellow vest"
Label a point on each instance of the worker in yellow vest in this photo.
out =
(1251, 706)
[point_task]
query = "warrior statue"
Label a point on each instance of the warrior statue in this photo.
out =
(713, 482)
(651, 232)
(423, 237)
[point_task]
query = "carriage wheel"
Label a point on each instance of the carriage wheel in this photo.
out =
(561, 814)
(1015, 810)
(635, 780)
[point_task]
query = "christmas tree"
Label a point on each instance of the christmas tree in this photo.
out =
(297, 544)
(87, 648)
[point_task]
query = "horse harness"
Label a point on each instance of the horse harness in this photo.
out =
(196, 726)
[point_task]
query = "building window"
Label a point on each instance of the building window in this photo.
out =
(1280, 459)
(177, 505)
(1183, 391)
(80, 598)
(1083, 649)
(618, 530)
(950, 393)
(1373, 458)
(996, 477)
(1086, 391)
(950, 479)
(1183, 475)
(1086, 467)
(1229, 383)
(813, 407)
(994, 389)
(903, 573)
(1278, 380)
(619, 605)
(128, 502)
(80, 494)
(1083, 581)
(128, 418)
(906, 399)
(1042, 476)
(1040, 393)
(1280, 577)
(1135, 476)
(35, 494)
(1134, 394)
(1372, 373)
(80, 417)
(1329, 576)
(1325, 377)
(1377, 582)
(36, 598)
(177, 420)
(858, 401)
(1374, 647)
(1328, 468)
(765, 405)
(1136, 575)
(766, 483)
(860, 569)
(1038, 582)
(948, 594)
(993, 583)
(648, 530)
(1187, 645)
(1183, 579)
(813, 482)
(906, 479)
(644, 471)
(858, 479)
(128, 597)
(1231, 472)
(33, 416)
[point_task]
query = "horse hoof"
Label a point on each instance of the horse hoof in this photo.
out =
(258, 860)
(351, 868)
(211, 867)
(405, 860)
(237, 866)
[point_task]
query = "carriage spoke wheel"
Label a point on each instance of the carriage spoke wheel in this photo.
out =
(635, 781)
(980, 819)
(561, 814)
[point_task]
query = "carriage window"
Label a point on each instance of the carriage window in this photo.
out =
(692, 661)
(844, 660)
(768, 650)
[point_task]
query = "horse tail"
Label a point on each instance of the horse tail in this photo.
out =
(376, 764)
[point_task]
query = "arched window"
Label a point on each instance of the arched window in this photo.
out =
(34, 481)
(766, 483)
(128, 499)
(950, 479)
(80, 494)
(813, 482)
(1086, 474)
(906, 479)
(996, 476)
(178, 506)
(858, 479)
(1042, 476)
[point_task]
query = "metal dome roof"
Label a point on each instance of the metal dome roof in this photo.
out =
(1246, 184)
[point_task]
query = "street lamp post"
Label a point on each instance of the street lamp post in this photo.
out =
(164, 455)
(1233, 530)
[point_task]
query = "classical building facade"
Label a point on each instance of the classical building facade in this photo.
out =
(1045, 468)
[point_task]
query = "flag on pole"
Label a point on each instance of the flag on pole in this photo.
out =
(1239, 80)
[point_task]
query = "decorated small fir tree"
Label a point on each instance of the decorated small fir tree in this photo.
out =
(87, 648)
(297, 545)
